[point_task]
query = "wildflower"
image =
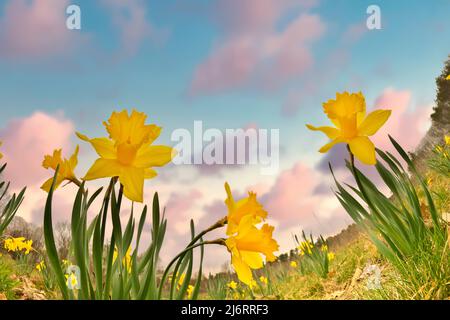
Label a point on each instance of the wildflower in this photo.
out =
(126, 261)
(128, 153)
(232, 285)
(71, 281)
(247, 246)
(65, 171)
(324, 248)
(352, 126)
(181, 281)
(40, 266)
(330, 256)
(245, 207)
(264, 280)
(446, 139)
(294, 264)
(190, 291)
(18, 244)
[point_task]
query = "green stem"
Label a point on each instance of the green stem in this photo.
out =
(166, 272)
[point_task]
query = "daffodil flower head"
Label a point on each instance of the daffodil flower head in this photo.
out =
(190, 291)
(245, 207)
(247, 247)
(294, 264)
(263, 280)
(446, 139)
(232, 285)
(126, 261)
(330, 256)
(352, 125)
(65, 171)
(40, 266)
(128, 152)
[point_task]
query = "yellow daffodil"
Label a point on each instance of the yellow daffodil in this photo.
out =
(294, 264)
(352, 126)
(264, 280)
(126, 261)
(245, 207)
(324, 248)
(446, 139)
(66, 168)
(128, 153)
(18, 244)
(330, 256)
(40, 266)
(232, 285)
(181, 281)
(247, 246)
(448, 77)
(190, 291)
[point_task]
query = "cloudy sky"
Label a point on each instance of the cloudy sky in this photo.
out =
(265, 64)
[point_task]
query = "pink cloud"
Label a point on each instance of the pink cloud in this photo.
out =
(36, 29)
(406, 125)
(253, 49)
(130, 19)
(27, 140)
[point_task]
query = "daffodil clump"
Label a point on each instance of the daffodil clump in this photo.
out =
(352, 125)
(440, 161)
(19, 245)
(314, 256)
(410, 237)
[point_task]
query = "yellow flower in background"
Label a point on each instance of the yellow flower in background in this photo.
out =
(232, 285)
(245, 207)
(40, 266)
(324, 248)
(128, 153)
(330, 256)
(66, 168)
(448, 77)
(264, 280)
(247, 246)
(447, 140)
(126, 261)
(294, 264)
(190, 291)
(181, 281)
(18, 244)
(352, 125)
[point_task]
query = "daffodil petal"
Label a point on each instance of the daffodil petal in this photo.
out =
(132, 180)
(331, 132)
(153, 156)
(48, 184)
(103, 146)
(252, 259)
(373, 122)
(243, 271)
(330, 145)
(103, 168)
(363, 149)
(149, 173)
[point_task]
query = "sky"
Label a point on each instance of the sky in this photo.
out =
(264, 64)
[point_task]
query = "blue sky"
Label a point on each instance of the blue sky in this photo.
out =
(146, 55)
